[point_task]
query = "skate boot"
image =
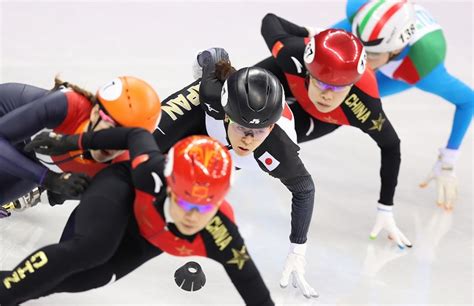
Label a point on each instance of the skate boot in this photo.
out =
(30, 199)
(5, 210)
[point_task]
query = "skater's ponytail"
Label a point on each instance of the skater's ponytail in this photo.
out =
(223, 70)
(58, 84)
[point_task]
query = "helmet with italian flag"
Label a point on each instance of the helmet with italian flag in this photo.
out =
(385, 25)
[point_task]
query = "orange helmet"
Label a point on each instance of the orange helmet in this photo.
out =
(199, 170)
(131, 102)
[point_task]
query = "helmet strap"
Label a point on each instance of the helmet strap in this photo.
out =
(393, 55)
(91, 126)
(306, 80)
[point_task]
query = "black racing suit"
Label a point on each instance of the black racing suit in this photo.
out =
(196, 109)
(106, 242)
(361, 108)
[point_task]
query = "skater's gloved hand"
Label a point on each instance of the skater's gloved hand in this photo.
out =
(208, 57)
(294, 269)
(50, 143)
(446, 180)
(385, 220)
(68, 184)
(53, 199)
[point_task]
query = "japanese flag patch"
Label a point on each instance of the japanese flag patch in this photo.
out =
(269, 161)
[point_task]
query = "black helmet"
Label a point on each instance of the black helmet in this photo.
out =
(253, 97)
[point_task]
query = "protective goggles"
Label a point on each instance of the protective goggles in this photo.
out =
(188, 206)
(323, 86)
(243, 131)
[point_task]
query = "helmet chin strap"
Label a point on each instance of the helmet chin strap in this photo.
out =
(306, 80)
(393, 55)
(91, 127)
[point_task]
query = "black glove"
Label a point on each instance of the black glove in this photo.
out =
(212, 56)
(67, 184)
(58, 199)
(50, 143)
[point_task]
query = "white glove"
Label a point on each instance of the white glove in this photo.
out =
(446, 180)
(294, 267)
(197, 69)
(385, 220)
(312, 31)
(209, 56)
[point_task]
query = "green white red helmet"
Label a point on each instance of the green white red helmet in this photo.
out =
(385, 25)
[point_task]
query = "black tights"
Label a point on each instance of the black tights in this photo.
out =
(104, 241)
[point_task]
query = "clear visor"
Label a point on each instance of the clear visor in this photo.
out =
(242, 131)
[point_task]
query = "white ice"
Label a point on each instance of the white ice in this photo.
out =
(91, 42)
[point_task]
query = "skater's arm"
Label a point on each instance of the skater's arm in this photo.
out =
(292, 172)
(302, 203)
(382, 131)
(455, 92)
(181, 116)
(229, 249)
(137, 140)
(275, 28)
(286, 46)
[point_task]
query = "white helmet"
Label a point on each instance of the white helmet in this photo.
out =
(385, 26)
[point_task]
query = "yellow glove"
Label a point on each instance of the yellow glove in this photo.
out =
(446, 180)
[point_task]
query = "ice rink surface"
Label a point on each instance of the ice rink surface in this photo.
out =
(91, 42)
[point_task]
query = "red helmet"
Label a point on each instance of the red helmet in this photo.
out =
(335, 57)
(199, 170)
